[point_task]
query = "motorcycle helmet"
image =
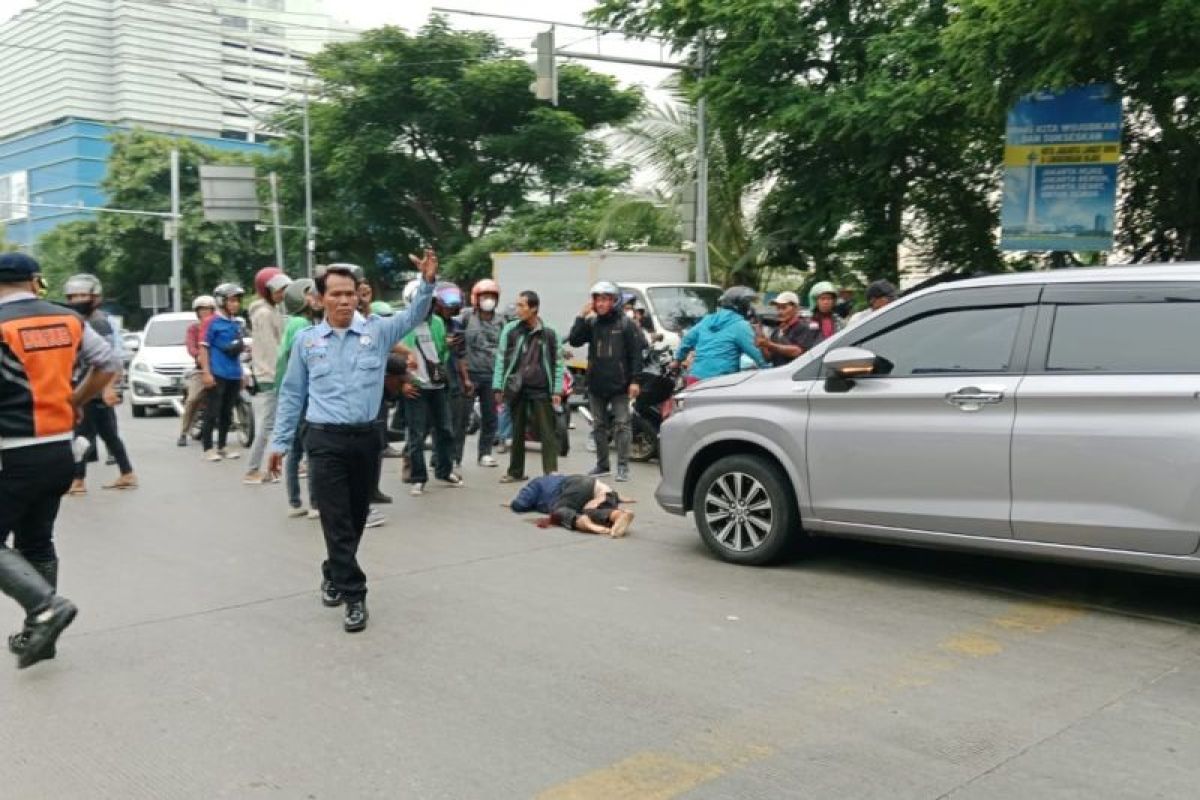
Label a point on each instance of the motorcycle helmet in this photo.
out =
(295, 296)
(204, 301)
(225, 291)
(83, 283)
(819, 288)
(606, 287)
(262, 278)
(485, 286)
(739, 299)
(449, 295)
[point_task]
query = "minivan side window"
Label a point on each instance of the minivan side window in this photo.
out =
(1126, 338)
(955, 341)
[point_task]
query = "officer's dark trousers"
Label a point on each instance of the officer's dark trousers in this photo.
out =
(342, 460)
(32, 483)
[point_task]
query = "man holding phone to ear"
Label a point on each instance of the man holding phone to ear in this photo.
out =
(338, 367)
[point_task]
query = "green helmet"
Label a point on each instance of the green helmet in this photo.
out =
(819, 288)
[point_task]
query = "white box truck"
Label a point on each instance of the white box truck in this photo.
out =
(562, 281)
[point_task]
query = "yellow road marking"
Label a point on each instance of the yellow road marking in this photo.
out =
(651, 776)
(656, 775)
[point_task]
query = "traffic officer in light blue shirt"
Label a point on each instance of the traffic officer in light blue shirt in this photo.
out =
(337, 368)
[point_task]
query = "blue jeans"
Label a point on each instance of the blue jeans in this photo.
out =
(291, 472)
(504, 426)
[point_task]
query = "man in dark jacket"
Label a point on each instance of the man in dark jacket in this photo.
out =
(614, 360)
(577, 503)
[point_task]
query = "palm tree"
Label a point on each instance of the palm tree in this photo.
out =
(664, 141)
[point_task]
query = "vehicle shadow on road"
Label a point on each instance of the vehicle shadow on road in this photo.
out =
(1162, 597)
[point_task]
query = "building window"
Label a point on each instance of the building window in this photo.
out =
(269, 5)
(237, 23)
(267, 29)
(14, 196)
(239, 136)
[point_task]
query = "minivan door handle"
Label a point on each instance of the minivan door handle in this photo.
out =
(972, 398)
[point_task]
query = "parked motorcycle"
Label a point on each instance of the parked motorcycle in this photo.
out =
(659, 383)
(243, 415)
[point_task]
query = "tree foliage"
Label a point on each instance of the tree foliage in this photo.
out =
(1150, 49)
(881, 124)
(126, 251)
(435, 137)
(588, 219)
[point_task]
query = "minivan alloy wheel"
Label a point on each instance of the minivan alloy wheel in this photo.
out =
(738, 511)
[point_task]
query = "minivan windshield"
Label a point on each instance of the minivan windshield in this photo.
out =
(680, 307)
(167, 332)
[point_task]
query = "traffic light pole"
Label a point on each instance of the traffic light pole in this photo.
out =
(702, 262)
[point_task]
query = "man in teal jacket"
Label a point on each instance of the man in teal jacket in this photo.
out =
(722, 338)
(529, 378)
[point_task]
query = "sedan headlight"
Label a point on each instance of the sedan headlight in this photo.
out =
(141, 366)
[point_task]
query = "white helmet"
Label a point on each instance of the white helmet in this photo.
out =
(606, 287)
(83, 283)
(204, 301)
(410, 291)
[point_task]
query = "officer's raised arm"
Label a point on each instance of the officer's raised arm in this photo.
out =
(396, 327)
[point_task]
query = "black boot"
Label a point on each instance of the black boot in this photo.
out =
(47, 614)
(17, 642)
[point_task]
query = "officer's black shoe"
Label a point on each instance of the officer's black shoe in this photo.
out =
(379, 498)
(18, 641)
(330, 597)
(356, 616)
(44, 629)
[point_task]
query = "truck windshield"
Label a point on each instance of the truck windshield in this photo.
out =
(680, 307)
(167, 332)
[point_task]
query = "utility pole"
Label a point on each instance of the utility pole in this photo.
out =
(176, 254)
(310, 233)
(275, 219)
(702, 272)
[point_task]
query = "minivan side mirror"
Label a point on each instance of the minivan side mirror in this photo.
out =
(849, 363)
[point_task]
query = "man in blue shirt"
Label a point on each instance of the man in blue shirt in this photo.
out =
(221, 349)
(337, 367)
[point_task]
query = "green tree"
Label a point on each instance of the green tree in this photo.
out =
(664, 140)
(435, 137)
(126, 251)
(1150, 49)
(844, 106)
(588, 219)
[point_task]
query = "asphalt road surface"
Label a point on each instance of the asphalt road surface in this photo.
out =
(506, 661)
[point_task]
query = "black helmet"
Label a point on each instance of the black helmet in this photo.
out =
(740, 299)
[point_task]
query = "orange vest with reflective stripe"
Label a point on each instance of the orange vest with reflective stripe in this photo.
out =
(39, 343)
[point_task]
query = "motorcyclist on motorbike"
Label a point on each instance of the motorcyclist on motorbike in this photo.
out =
(721, 338)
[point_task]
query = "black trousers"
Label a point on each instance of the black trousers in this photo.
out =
(100, 420)
(342, 461)
(32, 483)
(218, 413)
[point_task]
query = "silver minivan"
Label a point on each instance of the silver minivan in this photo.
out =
(1052, 415)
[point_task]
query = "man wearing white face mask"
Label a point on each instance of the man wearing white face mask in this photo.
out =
(483, 323)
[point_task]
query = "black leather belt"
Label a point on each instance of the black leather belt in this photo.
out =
(356, 429)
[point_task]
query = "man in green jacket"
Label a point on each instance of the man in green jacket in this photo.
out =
(529, 378)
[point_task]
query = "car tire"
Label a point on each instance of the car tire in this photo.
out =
(746, 511)
(139, 411)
